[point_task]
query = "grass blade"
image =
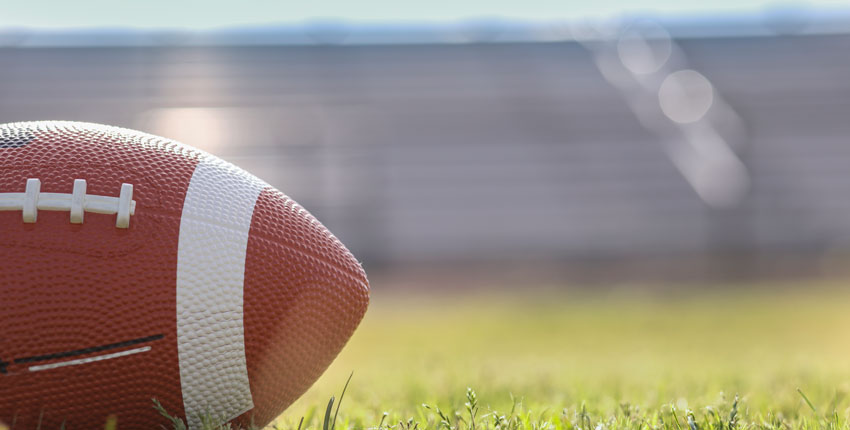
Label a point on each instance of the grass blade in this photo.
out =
(333, 424)
(328, 414)
(802, 394)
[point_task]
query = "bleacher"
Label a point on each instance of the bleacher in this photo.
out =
(486, 152)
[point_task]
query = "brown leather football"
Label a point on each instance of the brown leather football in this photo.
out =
(133, 267)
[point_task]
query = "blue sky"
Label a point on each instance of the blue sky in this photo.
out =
(207, 14)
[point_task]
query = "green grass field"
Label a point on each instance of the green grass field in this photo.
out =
(622, 358)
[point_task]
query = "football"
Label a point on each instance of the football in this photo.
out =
(133, 268)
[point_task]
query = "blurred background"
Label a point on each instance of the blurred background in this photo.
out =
(591, 143)
(610, 156)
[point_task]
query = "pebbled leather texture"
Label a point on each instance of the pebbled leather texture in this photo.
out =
(317, 313)
(89, 311)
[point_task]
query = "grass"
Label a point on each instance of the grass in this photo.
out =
(720, 357)
(715, 358)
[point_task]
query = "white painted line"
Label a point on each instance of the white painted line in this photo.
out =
(88, 360)
(211, 252)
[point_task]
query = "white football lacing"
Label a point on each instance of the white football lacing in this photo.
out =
(78, 202)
